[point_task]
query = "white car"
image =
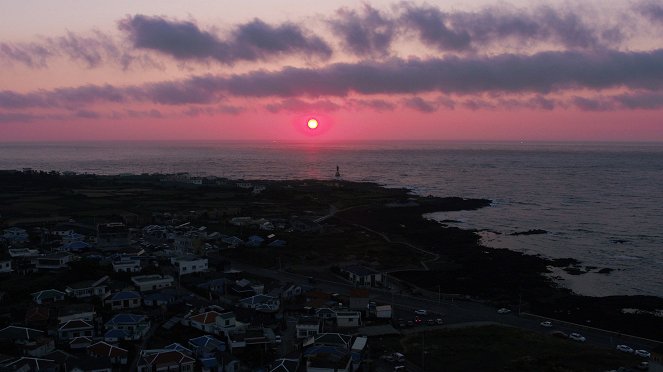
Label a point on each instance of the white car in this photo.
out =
(577, 337)
(503, 311)
(421, 312)
(624, 349)
(642, 353)
(546, 324)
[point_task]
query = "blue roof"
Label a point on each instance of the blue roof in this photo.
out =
(74, 246)
(126, 319)
(278, 243)
(125, 295)
(116, 334)
(178, 347)
(208, 342)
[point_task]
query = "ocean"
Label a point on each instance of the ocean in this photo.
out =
(601, 203)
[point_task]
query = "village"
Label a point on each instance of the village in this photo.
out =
(213, 290)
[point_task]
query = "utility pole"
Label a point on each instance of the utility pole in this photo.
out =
(423, 352)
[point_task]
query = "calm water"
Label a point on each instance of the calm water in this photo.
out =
(600, 203)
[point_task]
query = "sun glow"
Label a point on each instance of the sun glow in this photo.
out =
(312, 123)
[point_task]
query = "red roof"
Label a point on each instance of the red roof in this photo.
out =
(167, 358)
(205, 318)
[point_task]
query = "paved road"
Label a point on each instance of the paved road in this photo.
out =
(458, 311)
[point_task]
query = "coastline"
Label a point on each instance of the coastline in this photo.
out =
(499, 276)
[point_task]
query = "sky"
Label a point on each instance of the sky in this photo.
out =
(374, 70)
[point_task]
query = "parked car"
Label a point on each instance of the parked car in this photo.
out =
(503, 310)
(439, 321)
(546, 324)
(577, 337)
(624, 349)
(431, 321)
(642, 353)
(421, 312)
(643, 366)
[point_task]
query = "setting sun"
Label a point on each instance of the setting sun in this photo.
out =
(312, 123)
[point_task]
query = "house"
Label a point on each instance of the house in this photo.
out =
(363, 276)
(359, 352)
(287, 364)
(134, 326)
(331, 339)
(88, 364)
(53, 261)
(5, 266)
(48, 296)
(263, 303)
(206, 321)
(254, 241)
(246, 288)
(75, 246)
(164, 360)
(307, 326)
(189, 264)
(215, 286)
(328, 359)
(383, 312)
(126, 264)
(75, 328)
(206, 346)
(79, 343)
(112, 236)
(15, 235)
(18, 334)
(88, 288)
(37, 348)
(325, 313)
(28, 364)
(102, 349)
(348, 319)
(76, 311)
(158, 299)
(124, 300)
(22, 252)
(37, 316)
(152, 282)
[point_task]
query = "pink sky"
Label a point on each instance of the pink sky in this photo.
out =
(378, 70)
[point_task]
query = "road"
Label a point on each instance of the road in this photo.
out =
(458, 312)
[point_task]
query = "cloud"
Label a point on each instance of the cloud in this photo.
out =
(640, 100)
(592, 104)
(295, 105)
(373, 104)
(540, 74)
(419, 104)
(91, 50)
(468, 31)
(33, 55)
(432, 26)
(367, 33)
(252, 41)
(652, 10)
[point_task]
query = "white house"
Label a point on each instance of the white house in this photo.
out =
(383, 312)
(348, 319)
(307, 326)
(152, 282)
(88, 288)
(75, 328)
(189, 264)
(126, 264)
(53, 261)
(363, 276)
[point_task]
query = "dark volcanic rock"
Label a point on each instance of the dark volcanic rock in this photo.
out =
(605, 270)
(529, 232)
